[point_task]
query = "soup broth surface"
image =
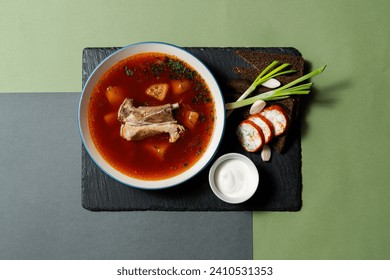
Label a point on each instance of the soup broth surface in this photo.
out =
(152, 158)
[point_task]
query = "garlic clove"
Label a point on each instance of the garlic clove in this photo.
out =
(271, 83)
(257, 107)
(266, 153)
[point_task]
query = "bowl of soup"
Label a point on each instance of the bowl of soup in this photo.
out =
(151, 115)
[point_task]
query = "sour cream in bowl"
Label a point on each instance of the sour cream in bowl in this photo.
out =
(233, 178)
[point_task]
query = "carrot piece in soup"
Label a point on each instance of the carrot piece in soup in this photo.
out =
(180, 86)
(157, 150)
(190, 118)
(115, 95)
(111, 118)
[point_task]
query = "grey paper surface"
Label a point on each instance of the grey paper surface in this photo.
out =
(41, 216)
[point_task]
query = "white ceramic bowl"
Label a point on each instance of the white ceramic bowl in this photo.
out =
(144, 48)
(233, 178)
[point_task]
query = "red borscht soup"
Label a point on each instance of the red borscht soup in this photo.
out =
(154, 157)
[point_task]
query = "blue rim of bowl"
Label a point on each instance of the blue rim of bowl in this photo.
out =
(82, 136)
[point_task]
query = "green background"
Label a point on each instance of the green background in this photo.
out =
(346, 194)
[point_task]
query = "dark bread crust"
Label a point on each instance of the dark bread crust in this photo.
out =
(258, 61)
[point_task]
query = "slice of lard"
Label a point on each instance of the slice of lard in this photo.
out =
(250, 136)
(278, 117)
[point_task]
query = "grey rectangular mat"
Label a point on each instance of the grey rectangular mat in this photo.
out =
(280, 184)
(40, 211)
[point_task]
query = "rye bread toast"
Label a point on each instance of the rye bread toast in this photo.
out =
(257, 61)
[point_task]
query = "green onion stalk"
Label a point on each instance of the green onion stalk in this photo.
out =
(277, 94)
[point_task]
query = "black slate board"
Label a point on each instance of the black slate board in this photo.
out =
(280, 185)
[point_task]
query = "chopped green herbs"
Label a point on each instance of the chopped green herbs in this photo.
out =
(157, 69)
(202, 93)
(202, 97)
(178, 69)
(128, 72)
(202, 117)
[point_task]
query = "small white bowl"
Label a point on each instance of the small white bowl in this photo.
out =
(233, 178)
(144, 48)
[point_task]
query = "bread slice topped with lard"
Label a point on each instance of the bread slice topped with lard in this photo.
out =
(259, 129)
